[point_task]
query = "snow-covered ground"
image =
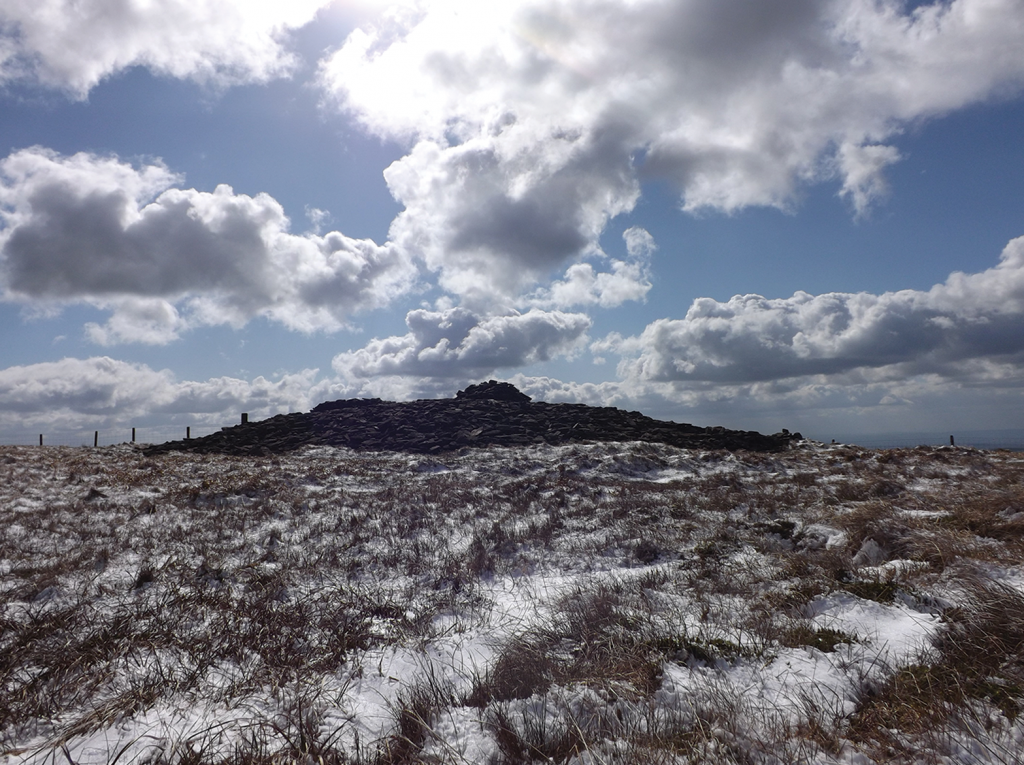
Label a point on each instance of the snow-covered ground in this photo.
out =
(606, 603)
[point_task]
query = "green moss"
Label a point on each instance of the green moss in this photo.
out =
(703, 651)
(1003, 695)
(880, 592)
(824, 639)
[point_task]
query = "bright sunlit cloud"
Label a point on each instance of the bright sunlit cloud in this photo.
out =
(73, 45)
(162, 259)
(526, 120)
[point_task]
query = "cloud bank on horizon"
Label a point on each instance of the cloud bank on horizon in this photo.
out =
(527, 127)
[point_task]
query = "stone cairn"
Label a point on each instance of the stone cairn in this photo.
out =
(489, 414)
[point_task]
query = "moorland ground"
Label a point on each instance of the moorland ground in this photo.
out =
(591, 603)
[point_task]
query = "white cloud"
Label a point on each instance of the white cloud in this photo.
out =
(89, 387)
(457, 343)
(533, 122)
(96, 230)
(627, 280)
(74, 44)
(639, 243)
(861, 168)
(216, 398)
(83, 393)
(947, 331)
(151, 321)
(318, 218)
(492, 222)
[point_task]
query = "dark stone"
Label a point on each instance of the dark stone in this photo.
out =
(347, 403)
(646, 551)
(489, 414)
(492, 390)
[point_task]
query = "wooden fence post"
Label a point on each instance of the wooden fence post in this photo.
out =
(95, 438)
(133, 435)
(188, 432)
(40, 439)
(951, 442)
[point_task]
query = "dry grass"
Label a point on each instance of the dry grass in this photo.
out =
(268, 590)
(970, 685)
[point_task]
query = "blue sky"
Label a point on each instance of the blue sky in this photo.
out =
(756, 214)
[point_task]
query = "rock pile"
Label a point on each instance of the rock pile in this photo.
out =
(489, 414)
(492, 390)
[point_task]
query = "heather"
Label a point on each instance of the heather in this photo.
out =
(584, 603)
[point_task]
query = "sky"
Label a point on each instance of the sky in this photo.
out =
(762, 214)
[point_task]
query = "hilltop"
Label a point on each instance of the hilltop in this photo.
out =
(489, 414)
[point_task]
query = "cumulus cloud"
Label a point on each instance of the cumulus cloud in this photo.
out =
(583, 285)
(97, 230)
(75, 393)
(531, 123)
(492, 224)
(134, 320)
(828, 364)
(946, 331)
(74, 44)
(456, 343)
